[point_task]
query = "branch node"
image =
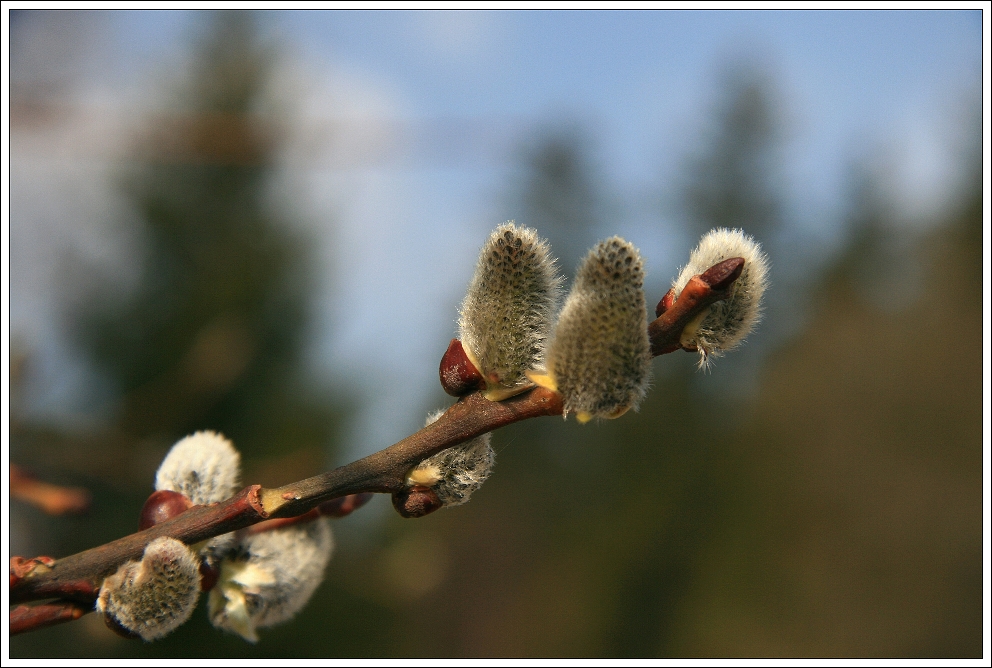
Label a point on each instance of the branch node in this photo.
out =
(21, 568)
(254, 499)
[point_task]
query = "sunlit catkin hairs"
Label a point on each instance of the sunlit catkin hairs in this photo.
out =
(725, 324)
(454, 474)
(507, 314)
(205, 467)
(269, 576)
(152, 597)
(599, 358)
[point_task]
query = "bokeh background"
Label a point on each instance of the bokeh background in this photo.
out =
(263, 223)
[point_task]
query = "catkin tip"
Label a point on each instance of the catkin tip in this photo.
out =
(727, 323)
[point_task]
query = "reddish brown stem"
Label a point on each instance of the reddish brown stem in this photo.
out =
(702, 290)
(30, 618)
(385, 471)
(78, 577)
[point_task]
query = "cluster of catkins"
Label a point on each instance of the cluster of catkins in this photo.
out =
(594, 352)
(255, 579)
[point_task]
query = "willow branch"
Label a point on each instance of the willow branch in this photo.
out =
(77, 578)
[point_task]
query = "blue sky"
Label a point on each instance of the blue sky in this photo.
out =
(400, 219)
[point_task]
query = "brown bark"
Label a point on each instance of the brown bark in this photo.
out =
(77, 578)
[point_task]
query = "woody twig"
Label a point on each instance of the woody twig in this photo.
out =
(74, 581)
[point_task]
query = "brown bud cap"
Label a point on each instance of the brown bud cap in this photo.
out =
(20, 567)
(161, 506)
(730, 266)
(666, 303)
(416, 501)
(459, 376)
(209, 574)
(722, 274)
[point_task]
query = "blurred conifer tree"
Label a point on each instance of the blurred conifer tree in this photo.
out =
(587, 540)
(211, 335)
(840, 515)
(730, 180)
(857, 473)
(560, 194)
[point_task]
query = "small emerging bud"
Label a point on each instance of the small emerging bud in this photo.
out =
(600, 358)
(507, 314)
(161, 506)
(458, 374)
(447, 478)
(269, 576)
(725, 324)
(416, 501)
(153, 597)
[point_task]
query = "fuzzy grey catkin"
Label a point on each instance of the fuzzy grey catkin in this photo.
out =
(725, 325)
(206, 468)
(268, 577)
(506, 315)
(154, 596)
(599, 359)
(455, 473)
